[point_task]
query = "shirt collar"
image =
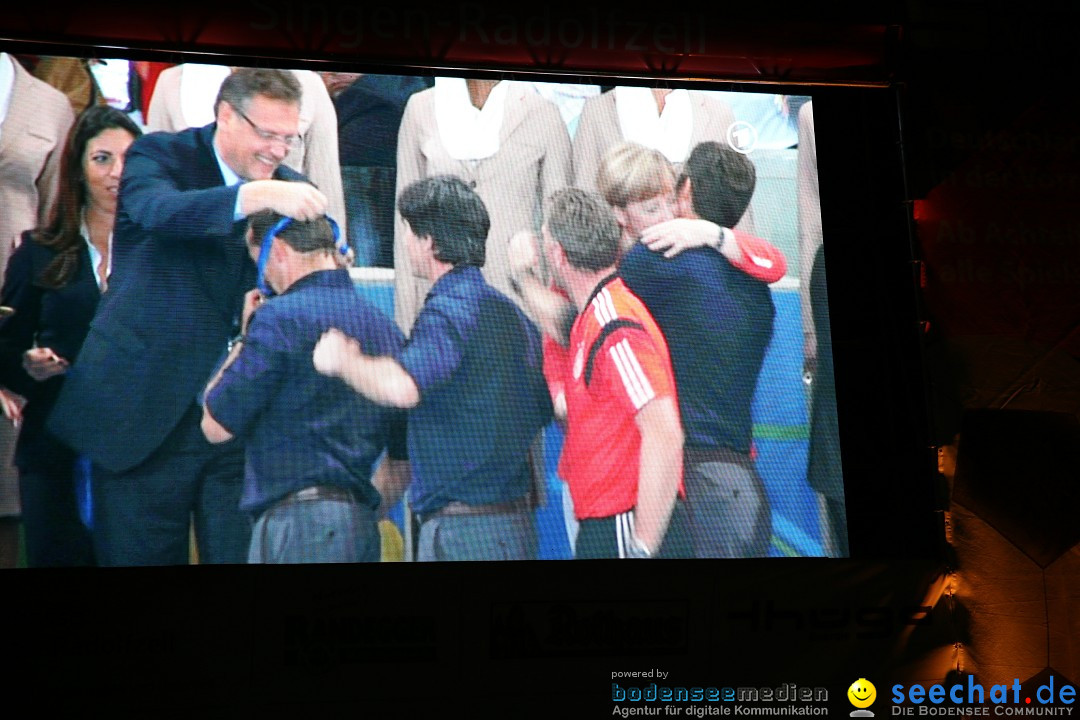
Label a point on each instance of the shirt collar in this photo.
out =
(227, 174)
(336, 277)
(95, 254)
(600, 286)
(460, 274)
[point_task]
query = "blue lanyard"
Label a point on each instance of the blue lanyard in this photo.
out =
(268, 241)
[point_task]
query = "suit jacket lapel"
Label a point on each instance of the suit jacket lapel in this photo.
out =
(514, 112)
(221, 279)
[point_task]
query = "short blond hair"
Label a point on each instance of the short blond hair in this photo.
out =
(631, 172)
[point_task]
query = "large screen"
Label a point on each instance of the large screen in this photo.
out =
(743, 311)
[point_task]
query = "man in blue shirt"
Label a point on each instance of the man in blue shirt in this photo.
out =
(470, 374)
(311, 444)
(718, 323)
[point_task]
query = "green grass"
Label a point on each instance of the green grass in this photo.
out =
(769, 431)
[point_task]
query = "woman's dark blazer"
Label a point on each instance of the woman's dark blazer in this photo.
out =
(57, 319)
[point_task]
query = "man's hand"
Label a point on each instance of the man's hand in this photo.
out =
(252, 300)
(380, 379)
(523, 254)
(390, 479)
(345, 260)
(333, 352)
(675, 236)
(297, 200)
(11, 405)
(42, 363)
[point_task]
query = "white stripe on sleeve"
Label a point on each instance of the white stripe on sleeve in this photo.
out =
(634, 380)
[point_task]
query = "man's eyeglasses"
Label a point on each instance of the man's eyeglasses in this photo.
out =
(290, 141)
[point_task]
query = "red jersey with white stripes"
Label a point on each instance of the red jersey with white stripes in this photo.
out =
(629, 368)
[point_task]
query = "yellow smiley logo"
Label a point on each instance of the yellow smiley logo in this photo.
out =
(862, 693)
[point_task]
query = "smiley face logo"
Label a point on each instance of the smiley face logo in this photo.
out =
(862, 693)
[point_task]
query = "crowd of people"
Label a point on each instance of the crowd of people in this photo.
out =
(187, 354)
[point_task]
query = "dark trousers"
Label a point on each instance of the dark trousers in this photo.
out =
(142, 515)
(600, 538)
(55, 537)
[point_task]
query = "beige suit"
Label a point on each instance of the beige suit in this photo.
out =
(317, 154)
(808, 220)
(32, 141)
(533, 161)
(599, 130)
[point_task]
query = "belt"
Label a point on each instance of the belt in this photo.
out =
(317, 492)
(724, 455)
(454, 507)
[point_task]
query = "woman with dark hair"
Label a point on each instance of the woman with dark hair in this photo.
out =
(53, 282)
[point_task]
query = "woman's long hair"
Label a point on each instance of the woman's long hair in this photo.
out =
(63, 233)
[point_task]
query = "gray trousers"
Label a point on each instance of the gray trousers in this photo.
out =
(729, 510)
(503, 536)
(316, 531)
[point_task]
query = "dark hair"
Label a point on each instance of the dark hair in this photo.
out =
(452, 214)
(63, 233)
(585, 226)
(722, 182)
(245, 83)
(301, 235)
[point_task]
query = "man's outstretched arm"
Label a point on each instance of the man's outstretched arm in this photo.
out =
(382, 380)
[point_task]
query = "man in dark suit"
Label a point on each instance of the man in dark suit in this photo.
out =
(180, 270)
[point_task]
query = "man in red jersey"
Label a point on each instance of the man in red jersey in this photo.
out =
(622, 457)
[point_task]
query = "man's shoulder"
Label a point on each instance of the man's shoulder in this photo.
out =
(49, 103)
(475, 308)
(174, 148)
(284, 172)
(641, 263)
(367, 320)
(614, 303)
(310, 299)
(421, 101)
(454, 301)
(162, 139)
(600, 101)
(335, 304)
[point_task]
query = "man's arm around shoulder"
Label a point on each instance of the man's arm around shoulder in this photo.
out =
(382, 380)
